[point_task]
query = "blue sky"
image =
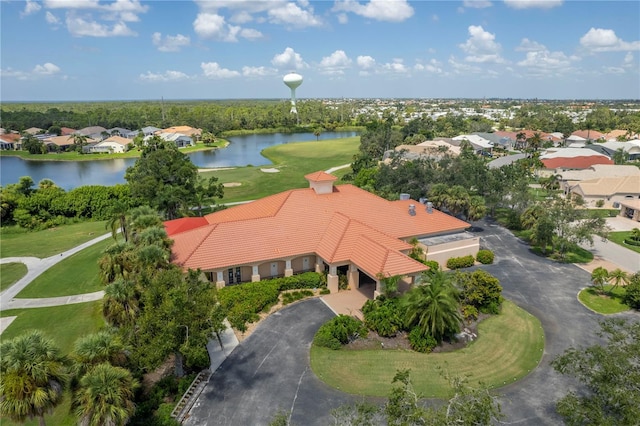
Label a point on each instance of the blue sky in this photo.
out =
(57, 50)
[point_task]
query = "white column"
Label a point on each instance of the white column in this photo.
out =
(255, 275)
(220, 279)
(288, 270)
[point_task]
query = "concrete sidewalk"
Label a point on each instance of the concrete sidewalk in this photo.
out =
(45, 302)
(624, 258)
(35, 267)
(218, 354)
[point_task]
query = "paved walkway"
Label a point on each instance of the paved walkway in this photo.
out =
(626, 259)
(35, 267)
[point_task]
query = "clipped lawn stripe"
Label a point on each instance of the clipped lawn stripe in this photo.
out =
(77, 274)
(10, 273)
(509, 346)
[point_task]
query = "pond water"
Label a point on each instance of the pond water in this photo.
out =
(242, 151)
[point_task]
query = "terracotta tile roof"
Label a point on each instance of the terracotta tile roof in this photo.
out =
(119, 139)
(582, 162)
(184, 224)
(588, 134)
(65, 131)
(10, 137)
(320, 177)
(610, 186)
(346, 224)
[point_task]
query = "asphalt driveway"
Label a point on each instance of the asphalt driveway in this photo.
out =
(269, 371)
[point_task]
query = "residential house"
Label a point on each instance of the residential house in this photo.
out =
(146, 131)
(8, 141)
(66, 131)
(428, 149)
(589, 135)
(571, 158)
(611, 190)
(118, 131)
(570, 178)
(62, 143)
(609, 148)
(183, 130)
(33, 130)
(340, 229)
(478, 143)
(179, 139)
(112, 145)
(93, 132)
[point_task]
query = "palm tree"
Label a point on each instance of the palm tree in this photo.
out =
(438, 195)
(96, 348)
(120, 303)
(457, 199)
(617, 277)
(33, 377)
(521, 138)
(599, 277)
(317, 131)
(534, 142)
(118, 219)
(79, 141)
(118, 260)
(433, 306)
(141, 218)
(105, 396)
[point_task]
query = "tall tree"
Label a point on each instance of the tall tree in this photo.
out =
(97, 348)
(599, 278)
(617, 277)
(610, 372)
(118, 219)
(105, 396)
(433, 306)
(33, 377)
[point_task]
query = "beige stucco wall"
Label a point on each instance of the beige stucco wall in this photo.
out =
(297, 264)
(265, 269)
(442, 252)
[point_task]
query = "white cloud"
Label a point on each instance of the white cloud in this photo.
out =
(614, 70)
(30, 7)
(71, 4)
(11, 73)
(481, 47)
(291, 14)
(366, 62)
(124, 10)
(477, 4)
(241, 17)
(527, 45)
(213, 70)
(380, 10)
(289, 60)
(343, 18)
(258, 71)
(529, 4)
(170, 43)
(434, 67)
(51, 18)
(603, 40)
(46, 69)
(335, 64)
(214, 26)
(166, 76)
(79, 27)
(462, 68)
(397, 67)
(628, 58)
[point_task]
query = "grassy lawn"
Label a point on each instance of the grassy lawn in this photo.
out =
(10, 273)
(62, 324)
(603, 303)
(18, 242)
(509, 346)
(75, 156)
(77, 274)
(619, 237)
(294, 160)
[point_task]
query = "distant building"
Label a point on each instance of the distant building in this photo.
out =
(572, 158)
(112, 145)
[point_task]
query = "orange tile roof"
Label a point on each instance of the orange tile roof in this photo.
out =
(582, 162)
(320, 177)
(349, 224)
(588, 134)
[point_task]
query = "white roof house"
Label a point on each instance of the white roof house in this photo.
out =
(113, 144)
(179, 139)
(478, 142)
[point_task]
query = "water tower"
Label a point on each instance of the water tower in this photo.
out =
(293, 80)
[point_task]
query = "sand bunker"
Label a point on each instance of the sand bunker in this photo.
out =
(231, 184)
(270, 170)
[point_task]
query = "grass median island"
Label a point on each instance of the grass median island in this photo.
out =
(619, 237)
(10, 273)
(293, 160)
(77, 274)
(608, 303)
(509, 346)
(16, 242)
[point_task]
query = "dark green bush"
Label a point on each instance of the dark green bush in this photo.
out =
(485, 257)
(325, 291)
(480, 289)
(632, 241)
(433, 265)
(295, 295)
(632, 291)
(383, 316)
(306, 280)
(341, 329)
(492, 308)
(469, 312)
(420, 342)
(460, 262)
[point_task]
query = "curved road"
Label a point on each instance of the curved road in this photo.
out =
(269, 371)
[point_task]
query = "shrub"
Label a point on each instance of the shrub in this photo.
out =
(492, 308)
(460, 262)
(632, 241)
(485, 257)
(469, 313)
(306, 280)
(325, 291)
(341, 329)
(433, 265)
(383, 316)
(632, 291)
(295, 296)
(480, 289)
(420, 342)
(599, 203)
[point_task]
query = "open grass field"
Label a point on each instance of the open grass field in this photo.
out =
(10, 273)
(603, 303)
(17, 242)
(509, 346)
(62, 324)
(619, 237)
(77, 274)
(294, 160)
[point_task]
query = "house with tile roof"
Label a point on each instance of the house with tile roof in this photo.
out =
(612, 190)
(8, 141)
(183, 130)
(570, 178)
(113, 145)
(571, 158)
(340, 229)
(589, 135)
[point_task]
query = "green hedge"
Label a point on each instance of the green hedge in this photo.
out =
(244, 301)
(485, 257)
(632, 242)
(339, 331)
(460, 262)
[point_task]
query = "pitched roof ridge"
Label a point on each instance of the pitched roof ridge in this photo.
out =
(374, 229)
(342, 234)
(202, 240)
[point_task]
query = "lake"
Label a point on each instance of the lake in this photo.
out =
(242, 151)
